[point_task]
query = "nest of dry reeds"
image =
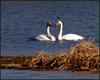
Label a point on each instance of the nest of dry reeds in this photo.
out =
(84, 56)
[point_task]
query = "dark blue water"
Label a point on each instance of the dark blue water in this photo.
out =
(26, 74)
(21, 21)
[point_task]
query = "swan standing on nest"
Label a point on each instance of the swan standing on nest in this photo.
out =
(74, 37)
(48, 37)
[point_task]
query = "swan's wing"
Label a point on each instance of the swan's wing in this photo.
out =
(72, 37)
(42, 37)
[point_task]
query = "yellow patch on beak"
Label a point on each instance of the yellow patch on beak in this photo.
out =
(58, 24)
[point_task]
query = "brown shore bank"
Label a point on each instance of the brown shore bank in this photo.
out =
(84, 56)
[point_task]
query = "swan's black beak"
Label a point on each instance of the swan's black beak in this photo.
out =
(49, 23)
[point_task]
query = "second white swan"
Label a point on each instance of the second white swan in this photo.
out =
(48, 37)
(74, 37)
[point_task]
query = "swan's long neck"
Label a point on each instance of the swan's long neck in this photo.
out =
(60, 32)
(48, 32)
(50, 36)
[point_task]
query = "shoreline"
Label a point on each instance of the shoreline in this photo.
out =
(84, 56)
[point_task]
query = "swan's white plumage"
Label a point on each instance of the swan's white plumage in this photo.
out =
(48, 37)
(74, 37)
(42, 38)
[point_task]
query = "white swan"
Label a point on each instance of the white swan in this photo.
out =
(47, 37)
(74, 37)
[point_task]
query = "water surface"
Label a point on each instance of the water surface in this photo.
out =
(28, 74)
(23, 20)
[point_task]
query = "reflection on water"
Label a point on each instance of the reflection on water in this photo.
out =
(29, 74)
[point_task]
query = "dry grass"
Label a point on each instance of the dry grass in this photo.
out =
(84, 56)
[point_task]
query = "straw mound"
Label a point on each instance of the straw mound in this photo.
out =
(84, 56)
